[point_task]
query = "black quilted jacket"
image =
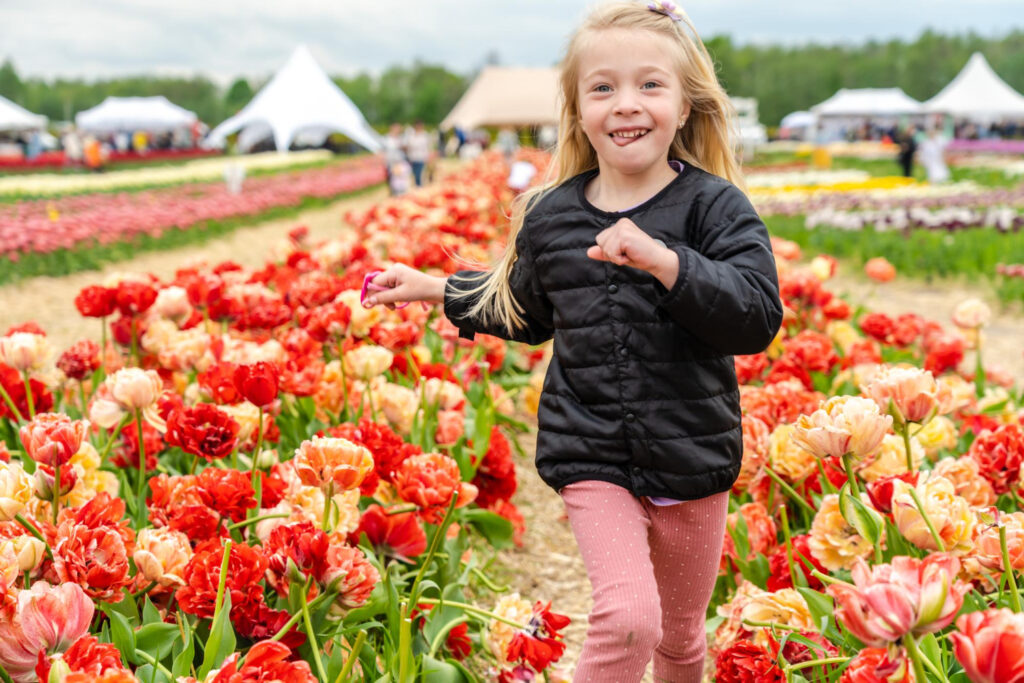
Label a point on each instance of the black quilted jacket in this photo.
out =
(641, 391)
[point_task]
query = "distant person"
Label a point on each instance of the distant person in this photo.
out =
(907, 149)
(508, 142)
(72, 145)
(393, 148)
(92, 153)
(400, 178)
(932, 153)
(140, 142)
(417, 151)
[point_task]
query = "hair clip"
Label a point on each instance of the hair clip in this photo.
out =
(666, 7)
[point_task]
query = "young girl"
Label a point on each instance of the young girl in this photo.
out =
(650, 269)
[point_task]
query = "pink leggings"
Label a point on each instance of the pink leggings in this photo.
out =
(634, 552)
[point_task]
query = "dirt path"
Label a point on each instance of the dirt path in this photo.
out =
(1003, 341)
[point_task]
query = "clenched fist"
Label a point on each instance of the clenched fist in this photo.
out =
(625, 244)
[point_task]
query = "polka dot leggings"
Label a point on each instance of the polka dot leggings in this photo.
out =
(652, 570)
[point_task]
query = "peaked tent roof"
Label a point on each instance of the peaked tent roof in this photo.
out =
(868, 102)
(126, 113)
(977, 91)
(507, 96)
(15, 117)
(299, 97)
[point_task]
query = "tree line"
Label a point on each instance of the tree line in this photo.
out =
(782, 78)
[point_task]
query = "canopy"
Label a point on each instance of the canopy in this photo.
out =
(977, 92)
(798, 119)
(868, 102)
(507, 96)
(300, 98)
(135, 113)
(14, 117)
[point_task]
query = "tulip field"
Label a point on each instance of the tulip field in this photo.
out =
(245, 474)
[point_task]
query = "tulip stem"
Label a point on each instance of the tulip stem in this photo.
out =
(138, 594)
(473, 609)
(924, 515)
(850, 476)
(28, 395)
(1008, 570)
(31, 528)
(82, 398)
(906, 447)
(915, 656)
(826, 483)
(789, 491)
(113, 437)
(328, 502)
(789, 543)
(310, 632)
(56, 490)
(141, 492)
(295, 618)
(369, 397)
(10, 404)
(259, 448)
(253, 520)
(150, 659)
(817, 662)
(4, 676)
(826, 579)
(353, 655)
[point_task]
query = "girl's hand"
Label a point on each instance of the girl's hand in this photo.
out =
(625, 244)
(406, 284)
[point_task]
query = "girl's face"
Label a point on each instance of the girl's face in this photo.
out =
(630, 98)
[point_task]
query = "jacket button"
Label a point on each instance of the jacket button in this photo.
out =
(623, 351)
(612, 288)
(636, 471)
(630, 417)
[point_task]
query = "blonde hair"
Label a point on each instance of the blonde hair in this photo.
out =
(705, 141)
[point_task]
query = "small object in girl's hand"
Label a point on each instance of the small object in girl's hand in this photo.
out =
(368, 286)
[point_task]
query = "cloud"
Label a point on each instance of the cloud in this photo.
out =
(228, 38)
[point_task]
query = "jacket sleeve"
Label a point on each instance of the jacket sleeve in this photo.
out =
(537, 310)
(727, 291)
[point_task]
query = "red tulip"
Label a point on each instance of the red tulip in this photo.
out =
(53, 438)
(257, 383)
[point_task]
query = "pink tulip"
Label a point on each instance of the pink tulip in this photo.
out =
(47, 619)
(912, 391)
(887, 601)
(990, 645)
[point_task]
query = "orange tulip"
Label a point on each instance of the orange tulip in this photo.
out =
(338, 462)
(879, 269)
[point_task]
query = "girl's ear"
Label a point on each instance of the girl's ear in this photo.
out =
(684, 114)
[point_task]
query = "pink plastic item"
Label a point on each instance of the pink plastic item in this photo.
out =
(368, 287)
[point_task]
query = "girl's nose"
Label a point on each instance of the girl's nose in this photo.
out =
(627, 103)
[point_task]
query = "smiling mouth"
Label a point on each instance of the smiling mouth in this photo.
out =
(628, 134)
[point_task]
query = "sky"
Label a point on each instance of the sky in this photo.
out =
(223, 39)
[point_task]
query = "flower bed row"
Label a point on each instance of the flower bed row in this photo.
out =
(204, 170)
(252, 477)
(56, 237)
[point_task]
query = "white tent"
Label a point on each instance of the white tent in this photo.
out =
(507, 96)
(868, 102)
(135, 113)
(299, 99)
(977, 92)
(14, 117)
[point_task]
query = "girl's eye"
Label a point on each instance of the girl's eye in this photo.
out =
(650, 84)
(602, 88)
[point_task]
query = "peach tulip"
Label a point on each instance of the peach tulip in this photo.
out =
(949, 514)
(366, 362)
(843, 425)
(879, 269)
(134, 388)
(887, 601)
(833, 541)
(990, 645)
(987, 547)
(47, 619)
(335, 462)
(16, 490)
(26, 352)
(971, 314)
(161, 555)
(913, 393)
